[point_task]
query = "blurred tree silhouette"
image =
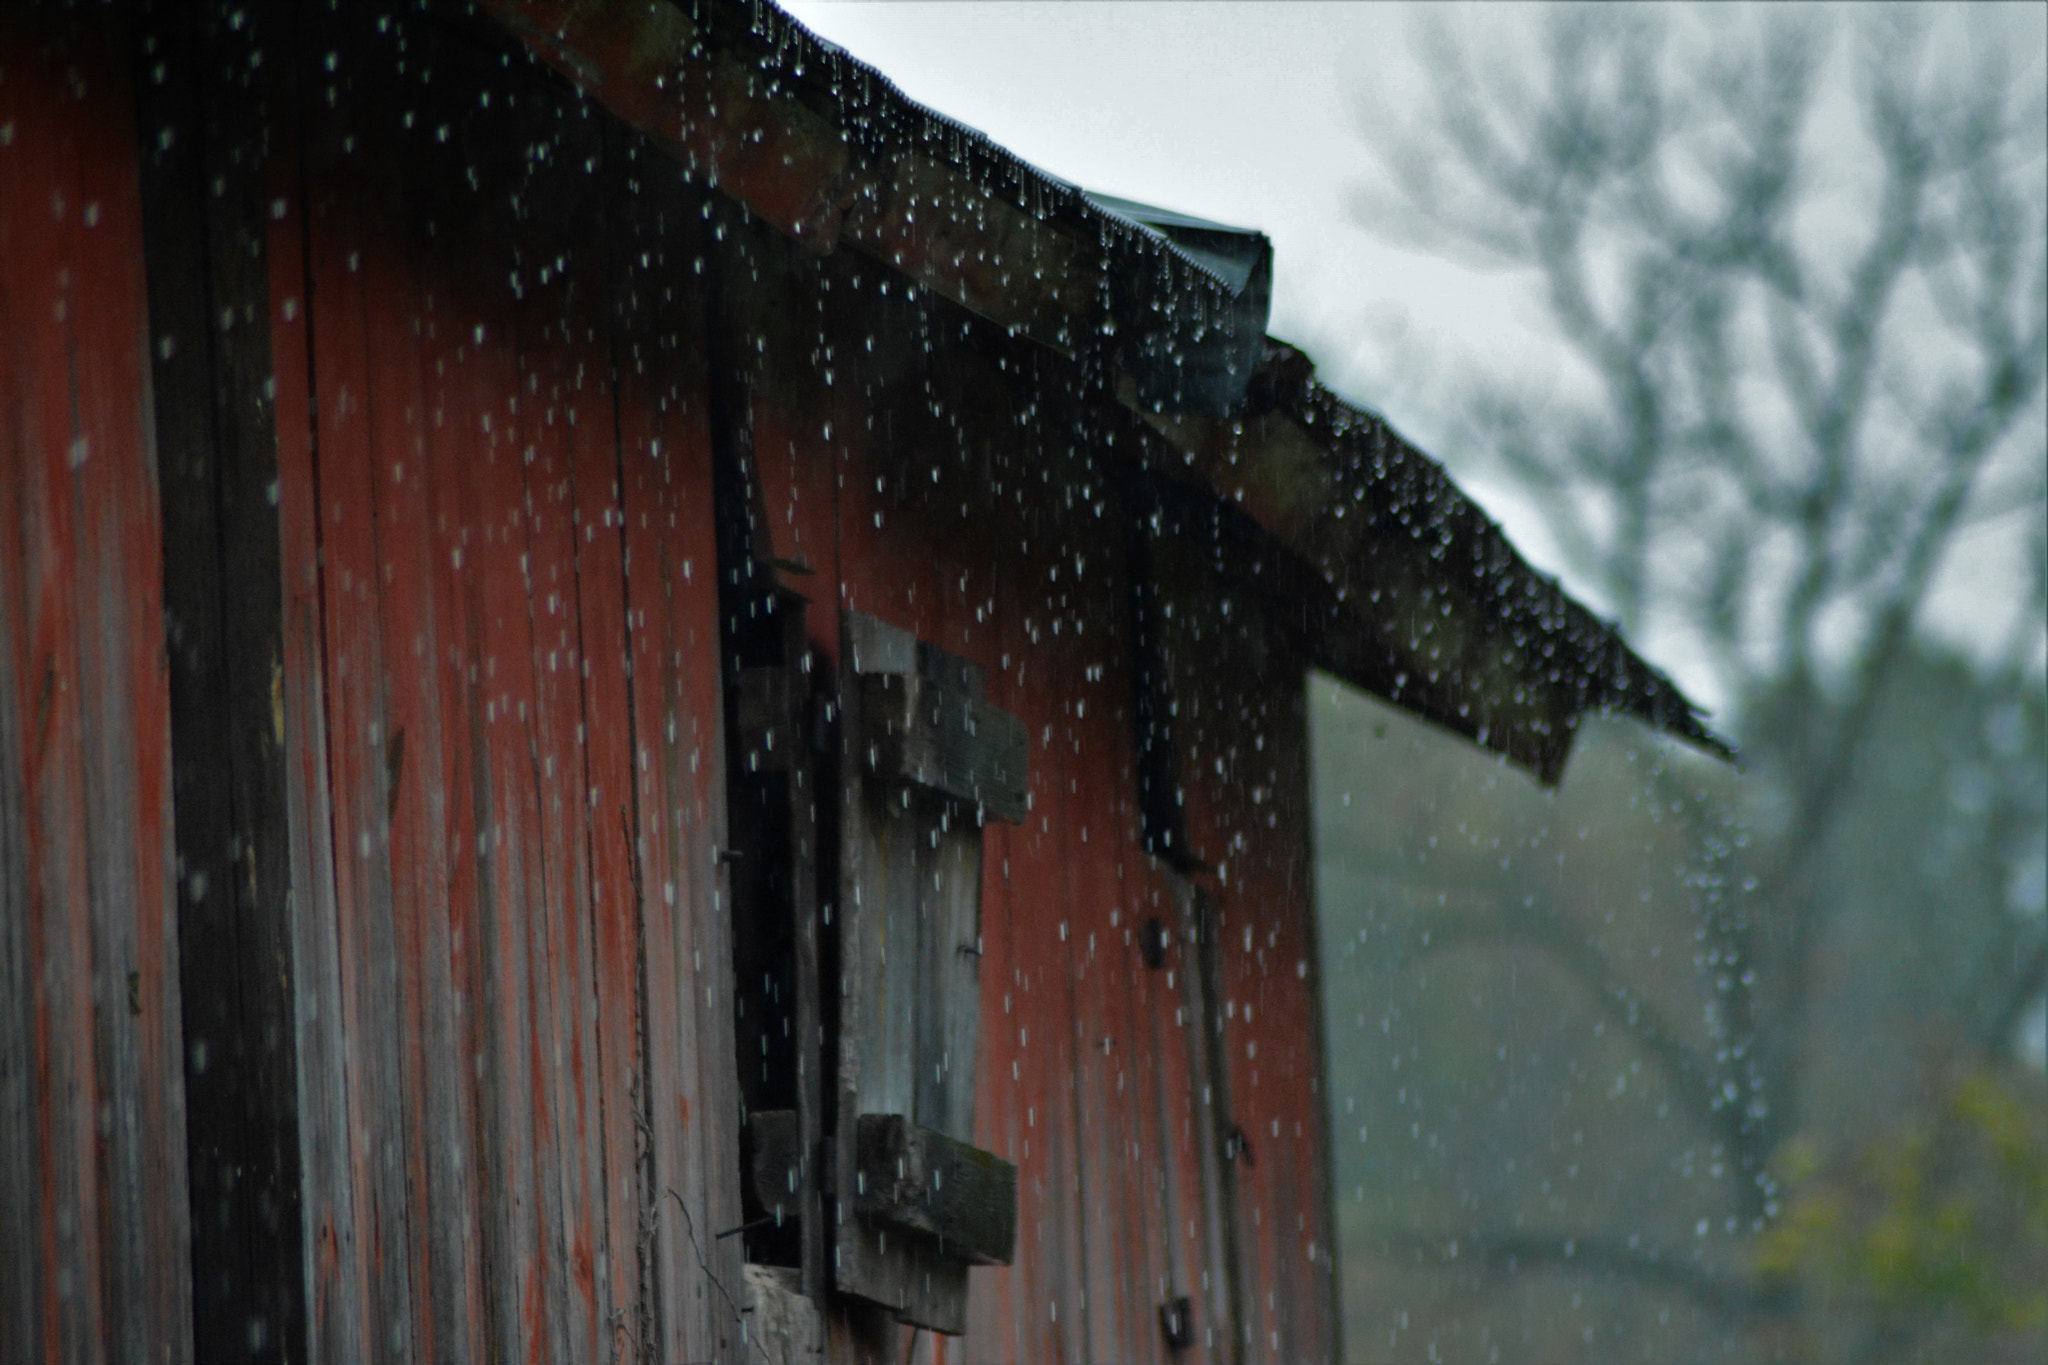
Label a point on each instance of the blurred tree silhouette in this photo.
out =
(1798, 264)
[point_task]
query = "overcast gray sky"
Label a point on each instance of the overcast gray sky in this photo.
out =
(1253, 114)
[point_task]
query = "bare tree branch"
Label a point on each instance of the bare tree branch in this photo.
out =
(1770, 436)
(1707, 1097)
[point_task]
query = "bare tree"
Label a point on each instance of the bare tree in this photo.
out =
(1798, 266)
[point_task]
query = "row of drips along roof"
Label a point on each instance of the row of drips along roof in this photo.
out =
(1403, 585)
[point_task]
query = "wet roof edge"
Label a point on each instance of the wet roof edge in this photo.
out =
(828, 151)
(824, 148)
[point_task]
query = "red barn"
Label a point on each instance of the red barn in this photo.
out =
(652, 701)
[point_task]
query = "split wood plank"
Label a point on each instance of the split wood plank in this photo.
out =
(676, 706)
(350, 261)
(338, 1286)
(206, 220)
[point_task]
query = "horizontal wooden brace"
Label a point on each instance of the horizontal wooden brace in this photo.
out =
(923, 731)
(923, 1182)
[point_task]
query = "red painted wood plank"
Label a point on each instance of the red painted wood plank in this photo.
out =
(1183, 1132)
(426, 808)
(1110, 985)
(1023, 964)
(671, 616)
(1246, 768)
(1276, 900)
(90, 1039)
(598, 526)
(44, 562)
(555, 357)
(660, 823)
(458, 599)
(356, 259)
(124, 687)
(1008, 1315)
(1057, 1294)
(1089, 748)
(337, 1283)
(476, 461)
(556, 343)
(995, 1320)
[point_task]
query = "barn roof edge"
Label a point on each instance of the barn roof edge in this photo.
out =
(829, 151)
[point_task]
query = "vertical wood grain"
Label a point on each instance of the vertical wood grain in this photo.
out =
(336, 1262)
(206, 222)
(93, 1225)
(1244, 752)
(691, 1166)
(548, 828)
(519, 1019)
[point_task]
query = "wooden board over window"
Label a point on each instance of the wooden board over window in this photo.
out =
(926, 760)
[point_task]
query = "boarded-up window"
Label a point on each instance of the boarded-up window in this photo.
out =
(925, 761)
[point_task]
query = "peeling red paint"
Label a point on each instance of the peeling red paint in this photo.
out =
(500, 702)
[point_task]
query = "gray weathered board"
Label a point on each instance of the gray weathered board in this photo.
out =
(782, 1327)
(905, 1176)
(946, 738)
(918, 1181)
(925, 760)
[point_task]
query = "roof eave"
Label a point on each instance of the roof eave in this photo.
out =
(1435, 608)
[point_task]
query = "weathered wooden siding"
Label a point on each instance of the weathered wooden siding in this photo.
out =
(205, 216)
(1241, 748)
(93, 1226)
(516, 1050)
(484, 371)
(937, 474)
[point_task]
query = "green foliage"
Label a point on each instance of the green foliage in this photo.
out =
(1933, 1232)
(1532, 1060)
